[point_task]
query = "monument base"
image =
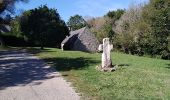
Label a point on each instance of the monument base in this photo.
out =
(106, 69)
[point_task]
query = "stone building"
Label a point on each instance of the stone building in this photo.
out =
(80, 40)
(5, 28)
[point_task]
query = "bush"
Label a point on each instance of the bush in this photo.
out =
(145, 30)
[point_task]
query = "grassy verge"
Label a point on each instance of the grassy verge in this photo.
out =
(4, 48)
(138, 78)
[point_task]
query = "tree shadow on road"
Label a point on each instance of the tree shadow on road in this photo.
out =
(18, 68)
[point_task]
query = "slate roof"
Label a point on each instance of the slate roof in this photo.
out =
(80, 40)
(73, 35)
(5, 28)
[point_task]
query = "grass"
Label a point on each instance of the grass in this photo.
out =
(4, 48)
(138, 77)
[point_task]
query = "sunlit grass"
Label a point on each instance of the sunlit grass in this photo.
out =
(138, 77)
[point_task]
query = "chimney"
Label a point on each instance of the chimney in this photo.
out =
(70, 28)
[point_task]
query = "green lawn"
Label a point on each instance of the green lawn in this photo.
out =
(137, 77)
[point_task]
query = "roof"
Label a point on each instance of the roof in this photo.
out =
(79, 31)
(73, 35)
(5, 28)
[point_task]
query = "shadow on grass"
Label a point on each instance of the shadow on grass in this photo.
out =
(123, 65)
(168, 66)
(32, 50)
(66, 64)
(35, 50)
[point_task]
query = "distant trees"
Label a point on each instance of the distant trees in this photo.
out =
(8, 5)
(128, 31)
(145, 29)
(76, 22)
(115, 15)
(43, 26)
(102, 26)
(15, 27)
(142, 29)
(159, 20)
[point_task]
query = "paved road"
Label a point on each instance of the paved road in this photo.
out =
(25, 77)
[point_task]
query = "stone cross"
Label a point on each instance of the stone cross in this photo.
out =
(106, 47)
(62, 47)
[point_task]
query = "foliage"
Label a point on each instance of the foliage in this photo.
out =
(8, 5)
(43, 26)
(16, 28)
(101, 27)
(115, 14)
(148, 29)
(136, 78)
(130, 29)
(11, 40)
(76, 22)
(159, 20)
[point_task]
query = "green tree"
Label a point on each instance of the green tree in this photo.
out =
(15, 27)
(76, 22)
(115, 14)
(8, 5)
(157, 14)
(129, 29)
(43, 26)
(101, 27)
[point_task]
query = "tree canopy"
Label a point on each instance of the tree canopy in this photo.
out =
(76, 22)
(8, 5)
(43, 26)
(115, 14)
(145, 29)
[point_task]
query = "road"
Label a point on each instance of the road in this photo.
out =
(25, 77)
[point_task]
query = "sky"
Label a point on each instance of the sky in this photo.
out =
(85, 8)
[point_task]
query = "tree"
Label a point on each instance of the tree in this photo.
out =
(157, 15)
(144, 29)
(130, 29)
(8, 5)
(76, 22)
(115, 14)
(43, 26)
(15, 27)
(102, 27)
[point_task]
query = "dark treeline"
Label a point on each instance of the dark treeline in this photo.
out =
(41, 26)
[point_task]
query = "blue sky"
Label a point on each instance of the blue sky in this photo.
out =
(67, 8)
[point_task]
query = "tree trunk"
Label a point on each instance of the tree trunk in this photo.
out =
(42, 47)
(2, 42)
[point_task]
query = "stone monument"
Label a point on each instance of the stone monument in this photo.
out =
(106, 47)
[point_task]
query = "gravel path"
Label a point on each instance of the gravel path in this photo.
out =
(25, 77)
